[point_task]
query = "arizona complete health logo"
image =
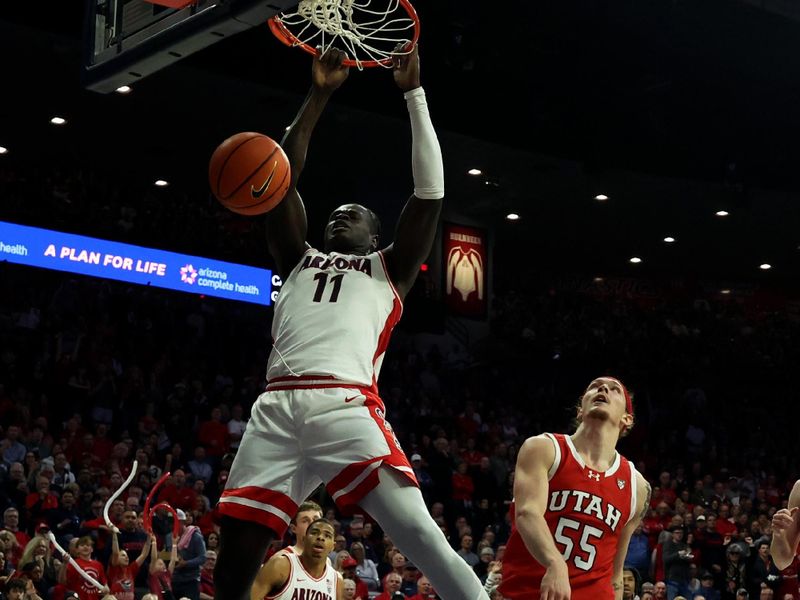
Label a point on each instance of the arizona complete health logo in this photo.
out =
(188, 274)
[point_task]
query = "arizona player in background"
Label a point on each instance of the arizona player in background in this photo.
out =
(306, 514)
(288, 575)
(576, 504)
(786, 530)
(321, 419)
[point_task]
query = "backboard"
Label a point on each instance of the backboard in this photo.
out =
(126, 40)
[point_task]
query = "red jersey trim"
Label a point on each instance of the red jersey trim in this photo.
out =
(389, 278)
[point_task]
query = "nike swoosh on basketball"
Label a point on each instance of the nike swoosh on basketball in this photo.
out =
(351, 398)
(257, 193)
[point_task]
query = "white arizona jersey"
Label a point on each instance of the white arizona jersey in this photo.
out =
(333, 318)
(302, 585)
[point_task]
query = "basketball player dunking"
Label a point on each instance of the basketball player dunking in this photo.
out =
(308, 575)
(321, 419)
(576, 504)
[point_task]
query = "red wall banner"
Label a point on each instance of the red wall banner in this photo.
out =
(466, 271)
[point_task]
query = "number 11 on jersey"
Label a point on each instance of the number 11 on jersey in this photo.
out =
(322, 282)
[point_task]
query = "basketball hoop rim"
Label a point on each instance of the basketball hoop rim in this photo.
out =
(280, 31)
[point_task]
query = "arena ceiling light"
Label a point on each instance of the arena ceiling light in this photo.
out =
(669, 239)
(58, 121)
(722, 213)
(725, 292)
(124, 89)
(3, 150)
(765, 266)
(475, 172)
(512, 217)
(161, 183)
(635, 260)
(601, 197)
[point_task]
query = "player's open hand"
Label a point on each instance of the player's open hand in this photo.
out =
(555, 583)
(783, 519)
(328, 72)
(405, 66)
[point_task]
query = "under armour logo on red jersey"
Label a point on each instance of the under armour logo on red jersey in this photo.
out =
(593, 475)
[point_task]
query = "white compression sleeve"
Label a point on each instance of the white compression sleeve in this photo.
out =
(426, 155)
(401, 512)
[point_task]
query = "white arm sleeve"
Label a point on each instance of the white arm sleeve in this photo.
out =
(426, 155)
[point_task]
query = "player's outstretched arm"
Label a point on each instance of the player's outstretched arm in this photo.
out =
(531, 486)
(786, 530)
(418, 222)
(643, 494)
(272, 576)
(286, 223)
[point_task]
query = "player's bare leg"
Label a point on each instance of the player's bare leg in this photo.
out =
(401, 512)
(242, 548)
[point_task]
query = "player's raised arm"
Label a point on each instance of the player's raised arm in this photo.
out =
(643, 495)
(531, 485)
(416, 228)
(272, 576)
(786, 530)
(286, 223)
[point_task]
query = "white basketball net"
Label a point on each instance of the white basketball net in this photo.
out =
(362, 29)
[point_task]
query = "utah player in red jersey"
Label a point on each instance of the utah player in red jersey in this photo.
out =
(786, 531)
(576, 505)
(321, 418)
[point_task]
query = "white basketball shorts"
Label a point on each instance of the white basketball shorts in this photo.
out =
(304, 431)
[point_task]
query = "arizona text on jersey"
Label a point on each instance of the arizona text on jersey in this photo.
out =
(333, 319)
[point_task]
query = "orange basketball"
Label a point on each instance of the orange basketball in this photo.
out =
(249, 173)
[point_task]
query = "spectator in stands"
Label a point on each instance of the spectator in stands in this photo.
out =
(486, 556)
(425, 590)
(349, 571)
(410, 576)
(423, 477)
(707, 590)
(236, 426)
(638, 556)
(21, 589)
(677, 558)
(132, 538)
(349, 587)
(122, 571)
(21, 539)
(366, 570)
(65, 522)
(199, 466)
(13, 449)
(42, 502)
(735, 570)
(207, 576)
(74, 581)
(160, 573)
(177, 493)
(391, 586)
(191, 557)
(465, 551)
(214, 435)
